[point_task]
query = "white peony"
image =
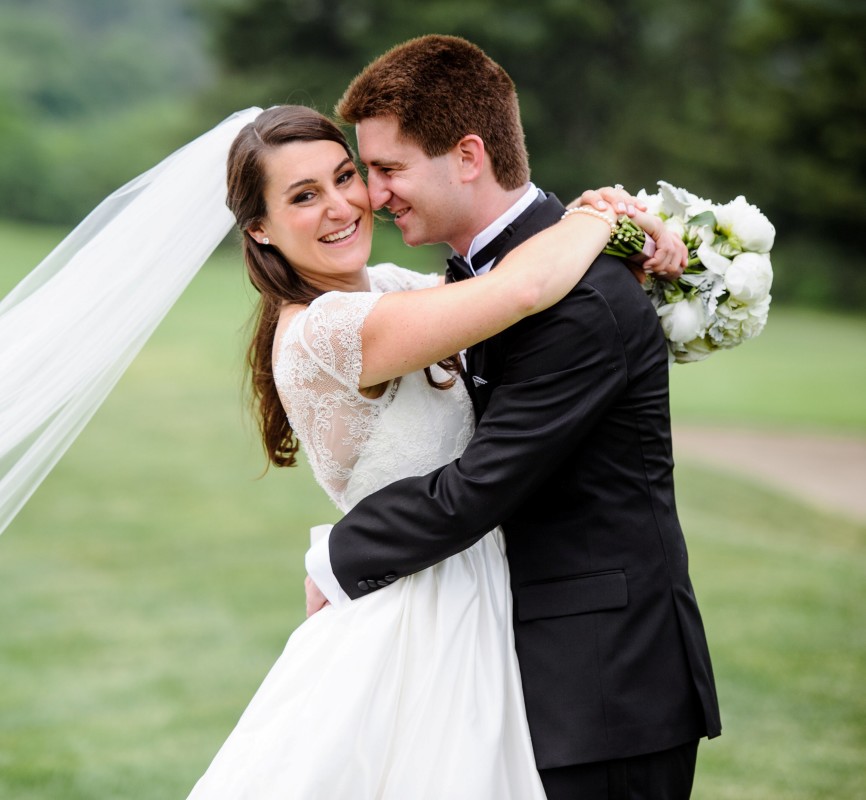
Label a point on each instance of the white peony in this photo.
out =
(681, 202)
(676, 226)
(684, 320)
(746, 224)
(696, 350)
(723, 298)
(749, 277)
(735, 322)
(710, 257)
(653, 201)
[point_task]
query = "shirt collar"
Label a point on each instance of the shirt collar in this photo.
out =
(494, 228)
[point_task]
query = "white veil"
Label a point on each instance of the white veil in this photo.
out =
(73, 325)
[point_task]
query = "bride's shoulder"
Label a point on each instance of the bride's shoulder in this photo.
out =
(327, 330)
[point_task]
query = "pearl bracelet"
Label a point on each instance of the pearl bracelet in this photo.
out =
(593, 213)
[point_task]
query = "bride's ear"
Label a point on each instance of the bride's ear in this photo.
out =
(471, 156)
(258, 233)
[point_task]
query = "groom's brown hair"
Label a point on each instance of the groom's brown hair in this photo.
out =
(439, 89)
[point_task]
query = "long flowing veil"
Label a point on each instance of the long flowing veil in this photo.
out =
(73, 325)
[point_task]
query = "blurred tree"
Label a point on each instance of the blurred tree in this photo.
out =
(22, 161)
(764, 98)
(91, 93)
(771, 103)
(66, 60)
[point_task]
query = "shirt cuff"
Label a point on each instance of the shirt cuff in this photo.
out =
(318, 564)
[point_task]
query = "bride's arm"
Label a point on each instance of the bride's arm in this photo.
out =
(407, 331)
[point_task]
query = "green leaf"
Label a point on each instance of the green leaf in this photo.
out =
(704, 218)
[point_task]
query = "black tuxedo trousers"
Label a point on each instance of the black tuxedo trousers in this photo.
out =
(572, 456)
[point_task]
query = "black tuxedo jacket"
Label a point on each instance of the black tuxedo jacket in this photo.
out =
(572, 455)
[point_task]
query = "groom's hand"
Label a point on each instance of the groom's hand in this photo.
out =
(316, 601)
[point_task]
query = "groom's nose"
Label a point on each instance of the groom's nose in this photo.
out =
(378, 191)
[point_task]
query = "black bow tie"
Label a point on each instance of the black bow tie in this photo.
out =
(458, 266)
(458, 269)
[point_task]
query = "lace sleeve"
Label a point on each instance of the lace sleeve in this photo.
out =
(391, 278)
(316, 370)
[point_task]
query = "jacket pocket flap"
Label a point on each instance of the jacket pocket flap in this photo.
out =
(583, 594)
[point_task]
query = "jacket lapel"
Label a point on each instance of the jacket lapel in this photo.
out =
(484, 361)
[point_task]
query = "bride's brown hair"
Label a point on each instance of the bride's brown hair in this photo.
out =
(270, 273)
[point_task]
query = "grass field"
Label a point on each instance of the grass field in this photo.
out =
(152, 580)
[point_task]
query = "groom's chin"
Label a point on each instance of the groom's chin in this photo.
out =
(409, 239)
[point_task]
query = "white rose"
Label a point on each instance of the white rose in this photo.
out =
(747, 225)
(749, 277)
(683, 321)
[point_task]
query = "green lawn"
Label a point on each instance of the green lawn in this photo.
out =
(152, 580)
(806, 370)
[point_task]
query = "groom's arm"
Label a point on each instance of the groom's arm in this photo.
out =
(564, 367)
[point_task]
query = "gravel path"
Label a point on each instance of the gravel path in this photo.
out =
(828, 472)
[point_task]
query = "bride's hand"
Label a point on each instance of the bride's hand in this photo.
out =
(616, 197)
(316, 601)
(665, 254)
(670, 257)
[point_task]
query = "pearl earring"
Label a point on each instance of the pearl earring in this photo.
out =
(266, 240)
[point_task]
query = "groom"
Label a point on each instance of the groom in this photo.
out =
(572, 453)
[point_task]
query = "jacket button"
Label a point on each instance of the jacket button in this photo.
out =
(362, 585)
(372, 584)
(382, 583)
(390, 578)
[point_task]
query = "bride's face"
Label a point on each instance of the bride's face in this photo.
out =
(319, 214)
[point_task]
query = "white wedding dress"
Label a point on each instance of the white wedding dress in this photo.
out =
(412, 692)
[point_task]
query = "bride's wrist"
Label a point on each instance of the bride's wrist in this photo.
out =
(607, 216)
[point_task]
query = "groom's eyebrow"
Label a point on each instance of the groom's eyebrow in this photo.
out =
(385, 162)
(308, 181)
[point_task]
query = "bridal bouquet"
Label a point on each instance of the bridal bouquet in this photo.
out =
(723, 296)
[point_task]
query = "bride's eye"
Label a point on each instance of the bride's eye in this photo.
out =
(345, 177)
(303, 197)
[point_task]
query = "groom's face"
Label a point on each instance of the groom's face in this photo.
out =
(421, 192)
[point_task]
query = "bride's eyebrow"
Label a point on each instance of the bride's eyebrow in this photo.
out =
(309, 181)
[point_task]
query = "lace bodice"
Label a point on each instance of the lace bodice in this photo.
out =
(356, 444)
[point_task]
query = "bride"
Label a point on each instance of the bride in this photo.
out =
(412, 692)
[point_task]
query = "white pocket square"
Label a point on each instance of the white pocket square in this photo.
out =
(478, 380)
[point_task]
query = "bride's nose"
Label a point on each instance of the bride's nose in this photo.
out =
(339, 206)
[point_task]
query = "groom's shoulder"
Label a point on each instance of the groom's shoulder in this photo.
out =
(612, 279)
(608, 277)
(608, 281)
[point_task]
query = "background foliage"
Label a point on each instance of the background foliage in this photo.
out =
(765, 98)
